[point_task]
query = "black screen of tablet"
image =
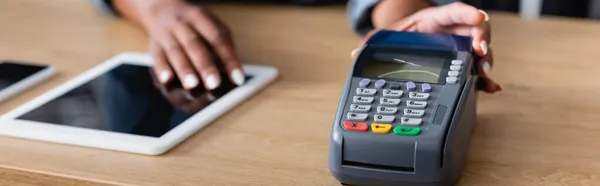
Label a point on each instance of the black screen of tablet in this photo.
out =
(127, 99)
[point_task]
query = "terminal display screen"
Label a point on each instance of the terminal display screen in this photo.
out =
(404, 67)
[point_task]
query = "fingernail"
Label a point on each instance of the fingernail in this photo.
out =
(487, 17)
(238, 77)
(212, 82)
(487, 68)
(484, 47)
(164, 76)
(353, 53)
(190, 81)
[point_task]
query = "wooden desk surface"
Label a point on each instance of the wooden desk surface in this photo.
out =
(542, 130)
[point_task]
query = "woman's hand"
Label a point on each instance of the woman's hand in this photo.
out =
(455, 18)
(182, 36)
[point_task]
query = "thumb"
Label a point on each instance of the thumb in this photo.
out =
(453, 14)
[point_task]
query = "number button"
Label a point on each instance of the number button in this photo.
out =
(389, 101)
(411, 121)
(392, 93)
(418, 96)
(382, 118)
(362, 99)
(414, 112)
(366, 92)
(360, 108)
(387, 110)
(416, 104)
(357, 116)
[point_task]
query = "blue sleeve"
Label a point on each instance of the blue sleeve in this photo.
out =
(359, 14)
(105, 6)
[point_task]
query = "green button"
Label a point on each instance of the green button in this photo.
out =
(407, 131)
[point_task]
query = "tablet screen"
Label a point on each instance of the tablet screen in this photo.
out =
(127, 99)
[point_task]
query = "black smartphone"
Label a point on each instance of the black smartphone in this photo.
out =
(18, 76)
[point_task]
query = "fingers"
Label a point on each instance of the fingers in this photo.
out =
(404, 25)
(179, 49)
(485, 68)
(485, 65)
(481, 37)
(480, 45)
(453, 14)
(226, 53)
(199, 55)
(163, 71)
(220, 40)
(179, 61)
(480, 34)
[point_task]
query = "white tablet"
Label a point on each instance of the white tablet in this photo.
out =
(120, 106)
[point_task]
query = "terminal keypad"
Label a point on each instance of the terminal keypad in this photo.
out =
(389, 107)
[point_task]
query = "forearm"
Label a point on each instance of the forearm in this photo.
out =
(390, 11)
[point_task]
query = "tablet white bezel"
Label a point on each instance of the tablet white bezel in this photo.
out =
(27, 83)
(11, 126)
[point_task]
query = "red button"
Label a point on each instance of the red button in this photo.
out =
(356, 126)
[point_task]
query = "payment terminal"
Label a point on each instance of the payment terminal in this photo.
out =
(407, 111)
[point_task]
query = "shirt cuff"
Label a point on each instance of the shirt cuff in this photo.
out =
(359, 14)
(105, 6)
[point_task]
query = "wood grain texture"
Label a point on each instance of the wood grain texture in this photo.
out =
(11, 177)
(541, 131)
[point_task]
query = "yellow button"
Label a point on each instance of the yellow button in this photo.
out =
(381, 128)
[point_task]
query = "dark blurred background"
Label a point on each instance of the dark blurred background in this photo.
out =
(566, 8)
